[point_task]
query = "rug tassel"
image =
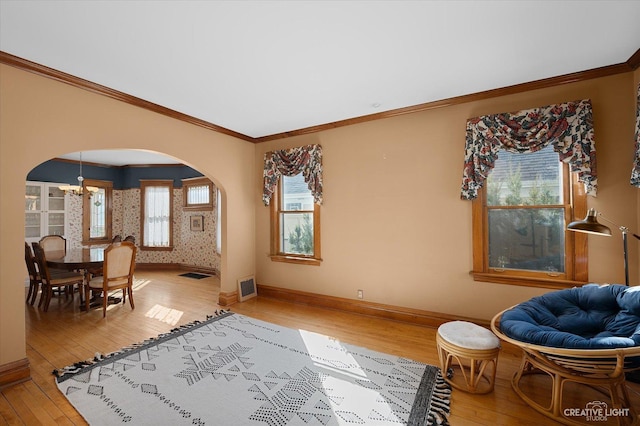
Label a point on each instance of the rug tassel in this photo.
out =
(439, 408)
(78, 366)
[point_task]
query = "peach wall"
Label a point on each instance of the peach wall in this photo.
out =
(393, 223)
(41, 119)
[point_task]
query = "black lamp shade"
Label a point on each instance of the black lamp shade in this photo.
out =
(590, 225)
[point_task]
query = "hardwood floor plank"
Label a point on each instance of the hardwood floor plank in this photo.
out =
(47, 405)
(8, 415)
(164, 300)
(26, 408)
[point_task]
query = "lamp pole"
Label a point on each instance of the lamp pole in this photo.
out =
(625, 248)
(625, 231)
(590, 225)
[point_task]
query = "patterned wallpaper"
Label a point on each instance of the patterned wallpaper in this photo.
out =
(194, 248)
(74, 217)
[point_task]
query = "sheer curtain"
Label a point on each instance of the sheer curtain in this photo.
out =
(156, 216)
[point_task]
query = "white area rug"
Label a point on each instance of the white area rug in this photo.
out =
(235, 370)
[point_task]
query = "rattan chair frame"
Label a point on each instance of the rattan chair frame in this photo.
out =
(600, 369)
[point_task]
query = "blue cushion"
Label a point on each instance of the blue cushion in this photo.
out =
(589, 317)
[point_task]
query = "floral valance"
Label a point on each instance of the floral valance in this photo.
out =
(568, 126)
(289, 162)
(635, 173)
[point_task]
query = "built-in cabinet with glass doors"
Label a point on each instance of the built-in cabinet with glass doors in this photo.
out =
(45, 210)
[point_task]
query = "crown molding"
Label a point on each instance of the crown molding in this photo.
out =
(26, 65)
(634, 61)
(630, 65)
(504, 91)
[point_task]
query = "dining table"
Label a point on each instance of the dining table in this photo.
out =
(84, 259)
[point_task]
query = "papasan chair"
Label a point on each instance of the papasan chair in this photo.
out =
(588, 335)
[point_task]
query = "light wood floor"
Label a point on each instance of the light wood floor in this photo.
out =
(64, 335)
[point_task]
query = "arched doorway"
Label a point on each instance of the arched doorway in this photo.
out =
(115, 208)
(43, 119)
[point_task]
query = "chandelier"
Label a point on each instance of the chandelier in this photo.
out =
(78, 189)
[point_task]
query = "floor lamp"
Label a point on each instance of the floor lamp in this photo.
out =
(591, 225)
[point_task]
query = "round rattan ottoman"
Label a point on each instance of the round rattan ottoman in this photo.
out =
(468, 356)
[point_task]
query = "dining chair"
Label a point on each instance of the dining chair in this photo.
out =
(130, 238)
(34, 276)
(117, 273)
(60, 281)
(54, 244)
(116, 239)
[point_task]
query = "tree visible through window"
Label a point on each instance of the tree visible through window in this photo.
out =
(296, 231)
(295, 221)
(521, 217)
(526, 212)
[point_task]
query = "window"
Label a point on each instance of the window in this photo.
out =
(197, 194)
(156, 214)
(520, 220)
(295, 222)
(96, 212)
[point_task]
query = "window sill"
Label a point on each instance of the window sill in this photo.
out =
(147, 248)
(198, 208)
(296, 259)
(96, 242)
(549, 282)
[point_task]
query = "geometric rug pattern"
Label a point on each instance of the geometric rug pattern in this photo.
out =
(236, 370)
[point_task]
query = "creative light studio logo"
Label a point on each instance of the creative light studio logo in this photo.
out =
(596, 411)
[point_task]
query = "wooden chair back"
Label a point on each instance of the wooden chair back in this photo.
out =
(30, 261)
(54, 245)
(41, 261)
(119, 264)
(65, 280)
(34, 276)
(117, 273)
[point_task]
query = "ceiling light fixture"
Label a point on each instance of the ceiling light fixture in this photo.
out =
(78, 189)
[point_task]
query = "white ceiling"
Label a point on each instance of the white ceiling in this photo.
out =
(122, 157)
(265, 67)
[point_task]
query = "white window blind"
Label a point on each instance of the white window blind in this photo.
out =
(198, 195)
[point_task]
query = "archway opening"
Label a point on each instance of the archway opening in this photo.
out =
(196, 230)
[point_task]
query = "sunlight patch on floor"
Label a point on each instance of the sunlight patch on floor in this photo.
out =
(164, 314)
(139, 284)
(319, 347)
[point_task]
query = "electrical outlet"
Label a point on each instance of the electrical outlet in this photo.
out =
(360, 294)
